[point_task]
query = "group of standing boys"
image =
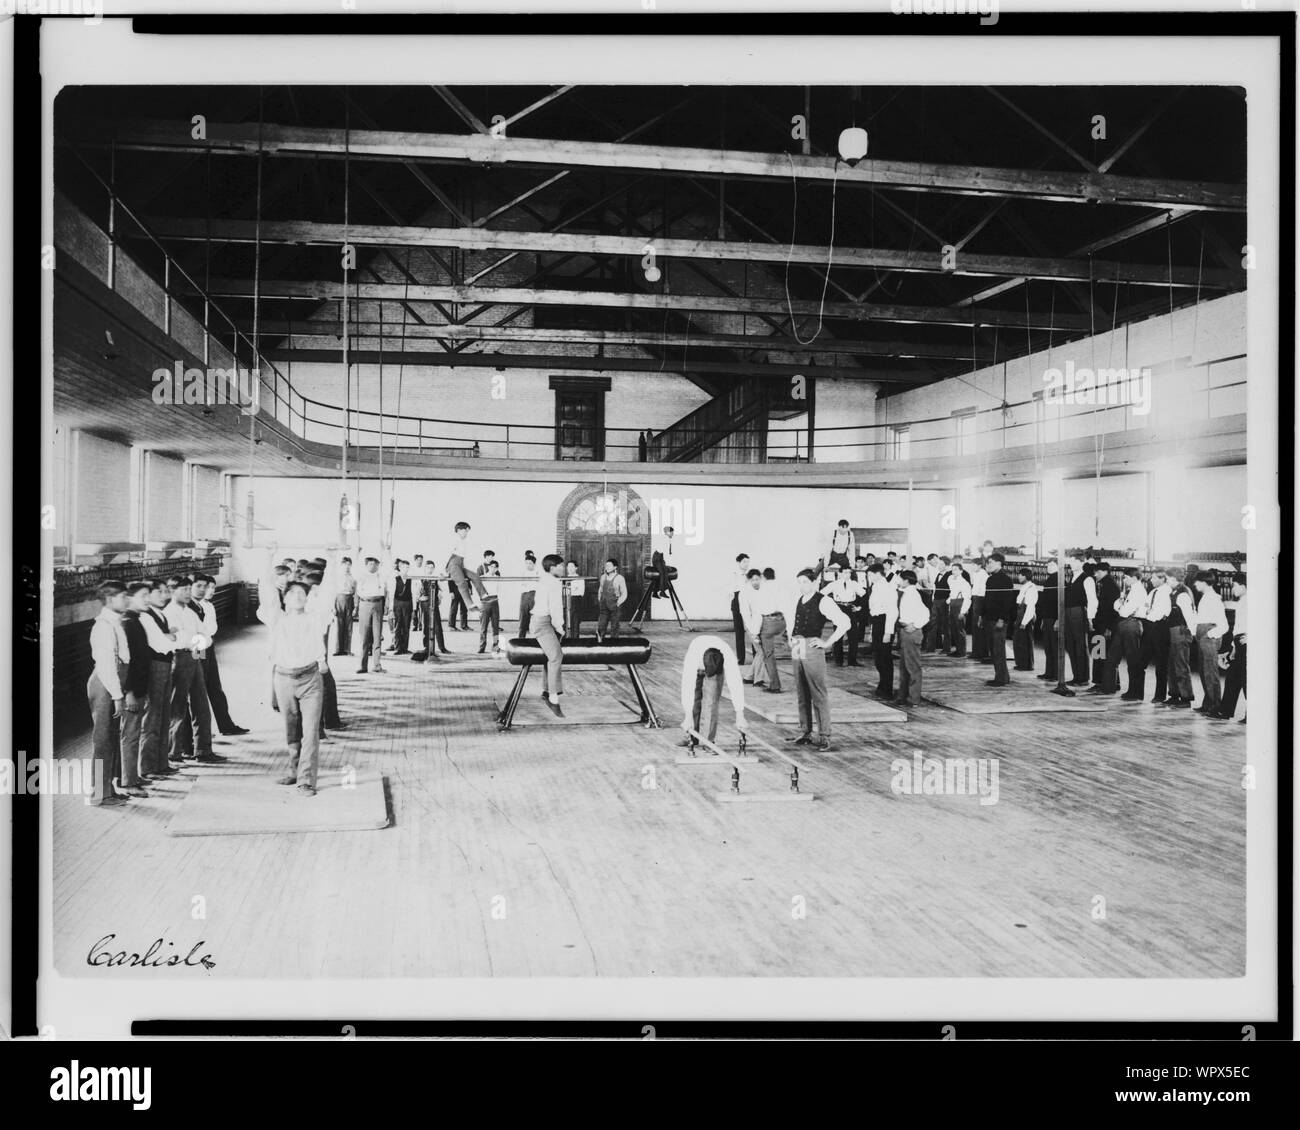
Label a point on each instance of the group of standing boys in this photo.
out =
(154, 686)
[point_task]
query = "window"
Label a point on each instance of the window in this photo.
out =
(900, 443)
(966, 433)
(579, 418)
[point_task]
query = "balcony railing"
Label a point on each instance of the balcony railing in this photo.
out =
(410, 438)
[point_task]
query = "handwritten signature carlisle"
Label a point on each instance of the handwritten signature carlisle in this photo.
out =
(102, 953)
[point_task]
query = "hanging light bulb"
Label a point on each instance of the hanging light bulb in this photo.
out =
(853, 144)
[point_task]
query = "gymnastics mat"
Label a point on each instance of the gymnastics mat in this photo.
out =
(846, 708)
(242, 804)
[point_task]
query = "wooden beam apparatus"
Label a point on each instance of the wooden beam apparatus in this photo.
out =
(463, 112)
(305, 232)
(439, 360)
(528, 296)
(483, 149)
(1129, 231)
(298, 330)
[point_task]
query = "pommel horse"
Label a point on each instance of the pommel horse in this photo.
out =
(586, 651)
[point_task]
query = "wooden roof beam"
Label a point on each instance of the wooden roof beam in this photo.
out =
(526, 296)
(482, 149)
(927, 261)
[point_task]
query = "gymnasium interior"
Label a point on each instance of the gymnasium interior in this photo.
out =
(570, 316)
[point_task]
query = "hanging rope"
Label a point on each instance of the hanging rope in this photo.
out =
(388, 544)
(830, 252)
(257, 296)
(347, 246)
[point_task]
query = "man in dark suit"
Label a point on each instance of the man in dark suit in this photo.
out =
(999, 609)
(1105, 677)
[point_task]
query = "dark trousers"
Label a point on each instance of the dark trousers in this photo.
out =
(216, 696)
(661, 582)
(302, 696)
(1108, 677)
(461, 580)
(1076, 644)
(909, 683)
(1180, 664)
(708, 696)
(1208, 650)
(738, 626)
(458, 611)
(1235, 684)
(979, 644)
(938, 625)
(329, 702)
(837, 648)
(526, 602)
(1128, 639)
(371, 620)
(153, 726)
(105, 738)
(1154, 653)
(859, 626)
(402, 610)
(884, 652)
(1051, 640)
(343, 603)
(1022, 646)
(129, 726)
(998, 650)
(189, 691)
(607, 621)
(490, 617)
(957, 626)
(433, 638)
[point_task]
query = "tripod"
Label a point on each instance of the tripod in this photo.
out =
(643, 606)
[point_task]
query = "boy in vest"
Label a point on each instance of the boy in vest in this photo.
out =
(402, 603)
(1235, 684)
(160, 637)
(999, 611)
(611, 597)
(1182, 619)
(812, 611)
(490, 617)
(842, 548)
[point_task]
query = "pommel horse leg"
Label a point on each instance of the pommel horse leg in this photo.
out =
(507, 715)
(647, 711)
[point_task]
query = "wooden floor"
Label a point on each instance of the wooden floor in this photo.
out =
(539, 852)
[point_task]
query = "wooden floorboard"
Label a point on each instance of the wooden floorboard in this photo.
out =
(538, 852)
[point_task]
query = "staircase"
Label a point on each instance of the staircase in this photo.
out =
(730, 428)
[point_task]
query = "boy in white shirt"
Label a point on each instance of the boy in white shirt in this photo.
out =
(1022, 641)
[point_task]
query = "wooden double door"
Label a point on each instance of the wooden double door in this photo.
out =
(591, 551)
